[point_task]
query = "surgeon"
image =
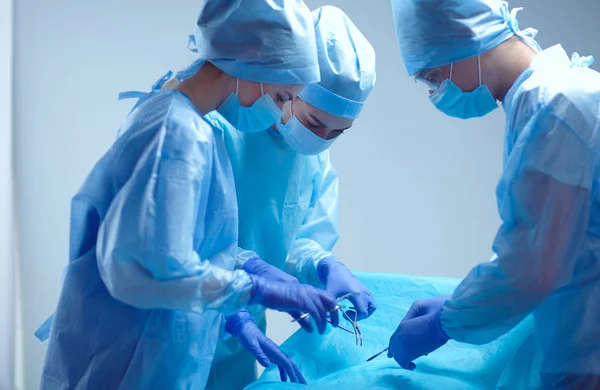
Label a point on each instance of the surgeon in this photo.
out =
(287, 188)
(471, 54)
(150, 286)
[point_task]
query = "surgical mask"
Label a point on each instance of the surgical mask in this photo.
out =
(263, 114)
(452, 101)
(300, 138)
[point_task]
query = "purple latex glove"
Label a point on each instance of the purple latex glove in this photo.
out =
(338, 280)
(259, 267)
(290, 297)
(242, 326)
(419, 333)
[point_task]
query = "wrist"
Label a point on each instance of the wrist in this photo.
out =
(251, 264)
(438, 324)
(323, 268)
(234, 323)
(257, 290)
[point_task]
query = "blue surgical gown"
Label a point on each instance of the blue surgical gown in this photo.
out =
(288, 216)
(547, 250)
(153, 245)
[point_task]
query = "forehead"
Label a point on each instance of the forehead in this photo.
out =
(308, 111)
(291, 89)
(428, 72)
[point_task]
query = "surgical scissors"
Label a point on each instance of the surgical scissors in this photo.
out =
(337, 307)
(377, 354)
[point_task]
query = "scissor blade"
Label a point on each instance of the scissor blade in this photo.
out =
(377, 354)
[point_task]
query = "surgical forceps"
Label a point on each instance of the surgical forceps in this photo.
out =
(357, 333)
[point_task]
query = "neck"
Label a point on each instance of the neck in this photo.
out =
(207, 89)
(506, 62)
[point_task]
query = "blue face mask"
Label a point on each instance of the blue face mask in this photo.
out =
(452, 101)
(300, 138)
(263, 114)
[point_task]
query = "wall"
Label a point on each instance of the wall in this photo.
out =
(417, 188)
(6, 216)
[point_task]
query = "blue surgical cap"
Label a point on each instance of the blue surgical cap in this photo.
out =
(346, 62)
(268, 41)
(433, 33)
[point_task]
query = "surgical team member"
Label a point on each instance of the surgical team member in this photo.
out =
(154, 226)
(547, 252)
(287, 189)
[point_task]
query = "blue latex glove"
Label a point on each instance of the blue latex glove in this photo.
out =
(242, 326)
(259, 267)
(419, 333)
(338, 281)
(290, 297)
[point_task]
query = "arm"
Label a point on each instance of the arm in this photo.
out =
(319, 231)
(215, 119)
(310, 259)
(545, 208)
(146, 243)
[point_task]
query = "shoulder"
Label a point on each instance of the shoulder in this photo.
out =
(173, 127)
(217, 120)
(572, 100)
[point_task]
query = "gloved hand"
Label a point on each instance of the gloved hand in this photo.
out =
(242, 326)
(419, 333)
(338, 281)
(290, 297)
(259, 267)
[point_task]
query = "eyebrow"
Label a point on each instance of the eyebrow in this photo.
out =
(317, 120)
(323, 125)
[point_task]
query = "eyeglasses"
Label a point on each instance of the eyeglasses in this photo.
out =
(432, 78)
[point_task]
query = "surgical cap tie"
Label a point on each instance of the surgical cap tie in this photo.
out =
(192, 44)
(582, 62)
(510, 17)
(195, 66)
(155, 87)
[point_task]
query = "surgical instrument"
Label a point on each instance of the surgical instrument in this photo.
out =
(342, 327)
(346, 296)
(377, 354)
(357, 333)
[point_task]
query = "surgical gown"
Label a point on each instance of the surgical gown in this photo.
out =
(288, 216)
(152, 248)
(548, 248)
